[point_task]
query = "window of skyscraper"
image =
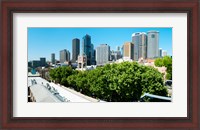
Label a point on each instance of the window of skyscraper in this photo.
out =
(152, 36)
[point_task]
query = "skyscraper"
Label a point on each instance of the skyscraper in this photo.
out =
(152, 44)
(75, 49)
(140, 45)
(164, 53)
(118, 48)
(87, 48)
(53, 60)
(115, 55)
(122, 50)
(36, 63)
(102, 54)
(92, 55)
(128, 51)
(160, 52)
(63, 56)
(67, 56)
(42, 61)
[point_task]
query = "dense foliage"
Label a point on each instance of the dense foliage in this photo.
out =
(60, 74)
(126, 81)
(167, 62)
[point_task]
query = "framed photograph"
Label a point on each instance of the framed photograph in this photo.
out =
(101, 64)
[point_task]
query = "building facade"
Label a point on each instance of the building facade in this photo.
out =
(63, 56)
(68, 56)
(75, 49)
(128, 51)
(88, 49)
(118, 48)
(140, 45)
(152, 44)
(164, 53)
(42, 62)
(160, 52)
(115, 55)
(53, 60)
(82, 62)
(102, 54)
(36, 63)
(93, 61)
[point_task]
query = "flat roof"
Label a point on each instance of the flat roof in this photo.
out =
(41, 83)
(41, 94)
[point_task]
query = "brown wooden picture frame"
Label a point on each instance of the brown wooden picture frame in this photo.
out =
(8, 7)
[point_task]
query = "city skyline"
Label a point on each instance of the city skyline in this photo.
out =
(42, 42)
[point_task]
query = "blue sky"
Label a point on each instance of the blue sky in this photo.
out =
(44, 41)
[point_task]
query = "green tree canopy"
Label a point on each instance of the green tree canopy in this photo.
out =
(167, 62)
(60, 74)
(126, 81)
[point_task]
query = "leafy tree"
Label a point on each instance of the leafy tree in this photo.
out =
(167, 62)
(60, 74)
(159, 62)
(152, 82)
(122, 82)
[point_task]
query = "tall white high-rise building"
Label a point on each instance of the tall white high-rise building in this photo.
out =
(152, 44)
(140, 45)
(102, 54)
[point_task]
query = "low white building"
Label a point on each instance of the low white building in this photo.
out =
(40, 90)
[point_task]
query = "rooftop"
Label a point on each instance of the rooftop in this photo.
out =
(138, 33)
(43, 93)
(153, 31)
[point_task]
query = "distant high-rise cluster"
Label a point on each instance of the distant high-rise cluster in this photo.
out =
(143, 45)
(37, 63)
(140, 45)
(146, 45)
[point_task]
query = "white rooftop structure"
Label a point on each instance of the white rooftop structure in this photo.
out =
(41, 94)
(44, 91)
(33, 75)
(138, 33)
